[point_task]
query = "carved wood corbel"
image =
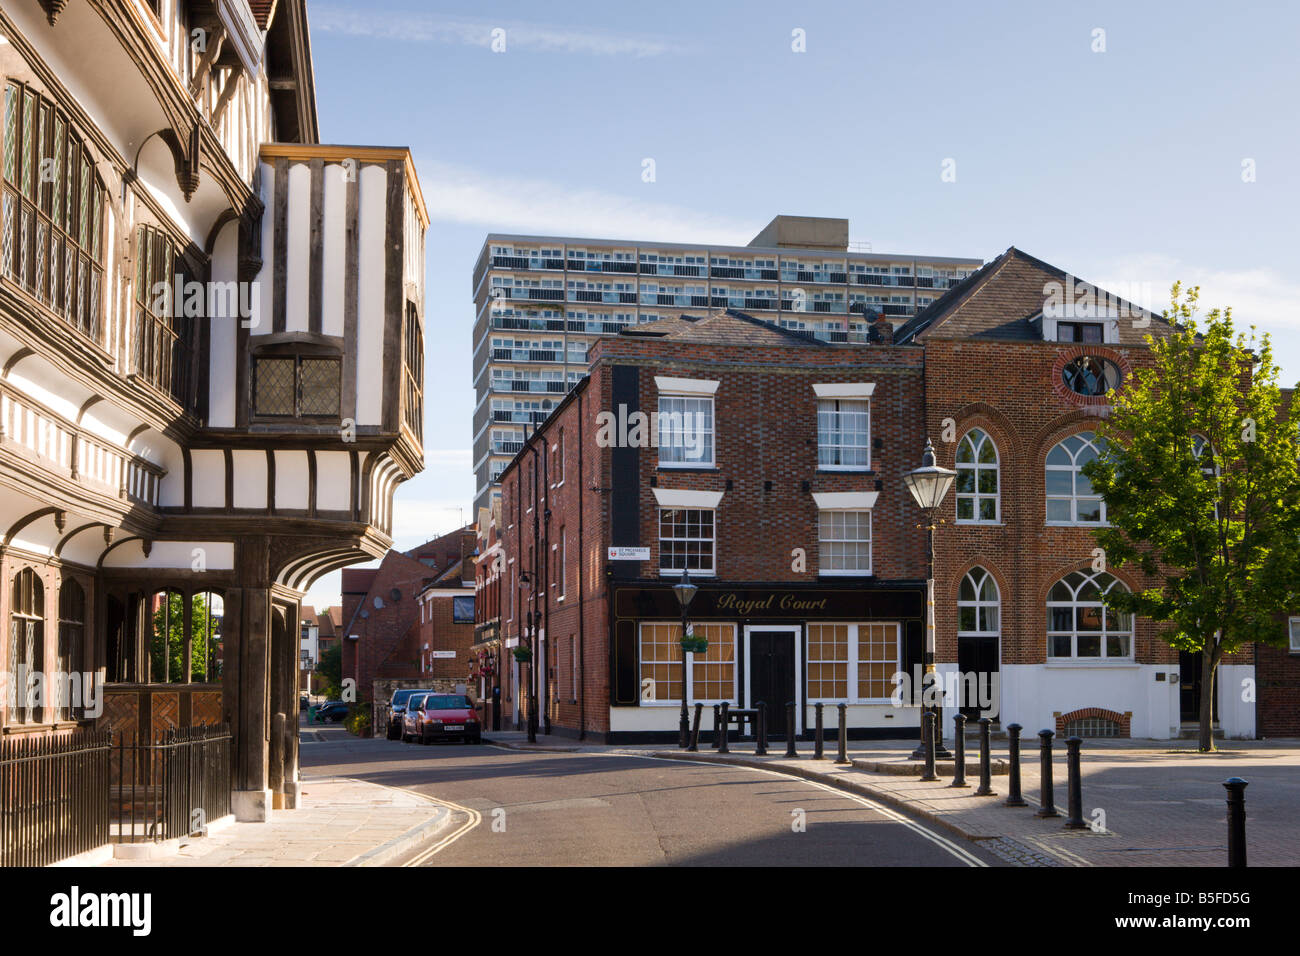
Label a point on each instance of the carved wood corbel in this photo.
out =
(53, 9)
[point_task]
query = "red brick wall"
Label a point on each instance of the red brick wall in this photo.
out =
(438, 632)
(1278, 691)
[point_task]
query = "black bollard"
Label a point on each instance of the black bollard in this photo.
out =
(789, 730)
(1236, 788)
(844, 734)
(1014, 799)
(818, 752)
(716, 724)
(959, 751)
(760, 746)
(722, 734)
(928, 720)
(1046, 798)
(695, 729)
(1075, 785)
(986, 764)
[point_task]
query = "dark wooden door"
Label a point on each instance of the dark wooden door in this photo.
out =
(771, 676)
(1189, 688)
(979, 656)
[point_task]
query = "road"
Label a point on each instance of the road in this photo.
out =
(597, 809)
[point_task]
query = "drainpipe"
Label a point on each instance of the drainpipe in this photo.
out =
(581, 689)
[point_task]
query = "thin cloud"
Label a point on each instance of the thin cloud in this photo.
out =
(509, 204)
(458, 31)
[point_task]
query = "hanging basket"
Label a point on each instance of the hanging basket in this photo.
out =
(695, 645)
(523, 655)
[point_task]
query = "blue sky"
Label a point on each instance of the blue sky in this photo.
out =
(1123, 166)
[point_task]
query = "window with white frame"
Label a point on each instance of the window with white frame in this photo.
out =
(854, 663)
(844, 433)
(1070, 496)
(977, 478)
(1295, 635)
(562, 576)
(686, 540)
(712, 675)
(844, 542)
(686, 431)
(1079, 624)
(978, 604)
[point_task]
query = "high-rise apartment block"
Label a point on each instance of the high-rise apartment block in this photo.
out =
(541, 302)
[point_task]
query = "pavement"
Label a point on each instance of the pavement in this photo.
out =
(1147, 803)
(342, 821)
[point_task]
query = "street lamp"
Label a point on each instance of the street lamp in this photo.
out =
(685, 592)
(928, 485)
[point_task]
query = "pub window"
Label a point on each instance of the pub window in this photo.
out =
(72, 634)
(712, 674)
(877, 660)
(54, 205)
(844, 542)
(828, 662)
(686, 540)
(413, 373)
(296, 386)
(26, 644)
(164, 325)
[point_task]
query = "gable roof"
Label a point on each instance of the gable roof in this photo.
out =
(731, 327)
(1004, 301)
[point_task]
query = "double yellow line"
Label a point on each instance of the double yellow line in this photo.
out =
(474, 818)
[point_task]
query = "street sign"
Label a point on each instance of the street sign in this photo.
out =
(444, 655)
(629, 554)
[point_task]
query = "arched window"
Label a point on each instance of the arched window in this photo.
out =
(1079, 625)
(167, 637)
(208, 608)
(1070, 498)
(26, 643)
(978, 603)
(72, 636)
(977, 478)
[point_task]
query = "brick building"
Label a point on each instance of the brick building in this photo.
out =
(776, 484)
(387, 609)
(783, 499)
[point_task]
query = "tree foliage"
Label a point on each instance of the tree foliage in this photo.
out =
(1202, 489)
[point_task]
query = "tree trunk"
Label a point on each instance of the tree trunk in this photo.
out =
(1209, 667)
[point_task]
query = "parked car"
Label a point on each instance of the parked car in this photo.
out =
(411, 716)
(334, 710)
(397, 708)
(444, 716)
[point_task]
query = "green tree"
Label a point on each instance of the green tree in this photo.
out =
(330, 670)
(1201, 483)
(167, 649)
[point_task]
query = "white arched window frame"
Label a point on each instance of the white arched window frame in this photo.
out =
(979, 605)
(1080, 626)
(1070, 496)
(978, 479)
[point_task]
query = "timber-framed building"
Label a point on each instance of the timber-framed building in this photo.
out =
(211, 368)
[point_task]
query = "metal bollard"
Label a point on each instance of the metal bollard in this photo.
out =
(760, 747)
(818, 752)
(1014, 799)
(1074, 785)
(789, 730)
(986, 767)
(844, 734)
(1046, 798)
(715, 726)
(1236, 788)
(959, 751)
(927, 730)
(695, 729)
(722, 734)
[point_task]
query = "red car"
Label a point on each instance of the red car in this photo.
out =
(443, 716)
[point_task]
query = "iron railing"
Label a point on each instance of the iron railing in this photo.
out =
(53, 796)
(172, 786)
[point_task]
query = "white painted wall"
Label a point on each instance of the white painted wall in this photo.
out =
(260, 322)
(291, 479)
(297, 290)
(334, 202)
(208, 484)
(215, 555)
(333, 480)
(1033, 693)
(223, 334)
(250, 479)
(1236, 690)
(371, 213)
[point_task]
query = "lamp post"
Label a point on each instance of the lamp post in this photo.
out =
(685, 592)
(929, 485)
